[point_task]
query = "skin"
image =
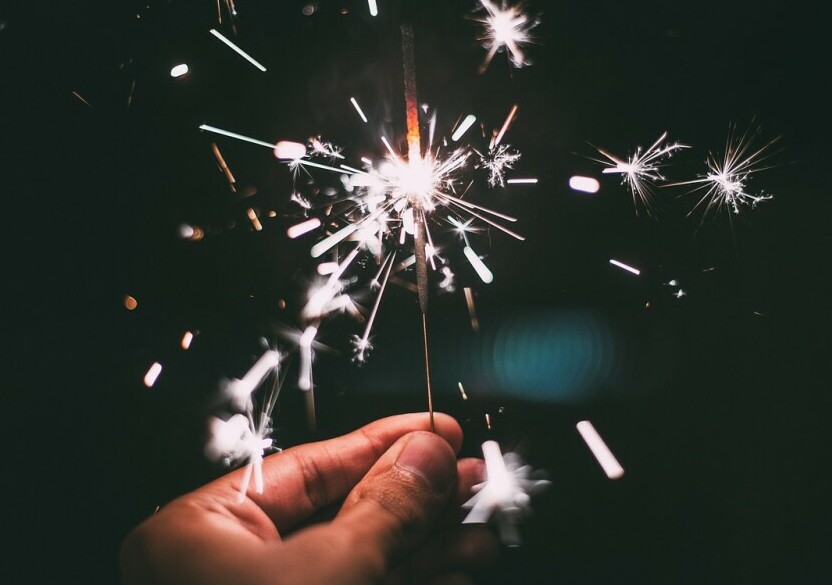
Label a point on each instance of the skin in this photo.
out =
(378, 505)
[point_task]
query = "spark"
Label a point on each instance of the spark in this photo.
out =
(642, 170)
(626, 267)
(585, 184)
(255, 221)
(187, 338)
(525, 181)
(504, 128)
(497, 160)
(327, 268)
(463, 128)
(302, 228)
(130, 303)
(448, 282)
(239, 392)
(152, 374)
(288, 150)
(362, 344)
(373, 10)
(505, 29)
(224, 167)
(358, 108)
(305, 373)
(479, 266)
(179, 70)
(725, 184)
(472, 311)
(505, 494)
(602, 453)
(237, 49)
(80, 98)
(462, 391)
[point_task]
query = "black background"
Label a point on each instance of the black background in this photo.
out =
(716, 404)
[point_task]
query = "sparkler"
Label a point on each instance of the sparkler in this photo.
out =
(505, 29)
(725, 183)
(642, 169)
(505, 494)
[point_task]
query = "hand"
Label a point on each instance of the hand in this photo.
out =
(393, 486)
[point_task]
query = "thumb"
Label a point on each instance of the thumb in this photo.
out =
(389, 510)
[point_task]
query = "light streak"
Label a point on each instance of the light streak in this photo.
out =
(462, 391)
(373, 10)
(362, 344)
(358, 108)
(80, 98)
(327, 268)
(463, 127)
(479, 266)
(237, 49)
(152, 374)
(215, 130)
(179, 70)
(626, 267)
(239, 391)
(255, 221)
(505, 126)
(472, 310)
(529, 181)
(305, 344)
(585, 184)
(602, 453)
(224, 167)
(187, 338)
(302, 228)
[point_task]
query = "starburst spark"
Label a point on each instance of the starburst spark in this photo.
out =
(725, 184)
(496, 161)
(642, 170)
(505, 28)
(505, 494)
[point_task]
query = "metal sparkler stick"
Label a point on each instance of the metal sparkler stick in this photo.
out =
(414, 156)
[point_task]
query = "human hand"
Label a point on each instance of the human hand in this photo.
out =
(393, 484)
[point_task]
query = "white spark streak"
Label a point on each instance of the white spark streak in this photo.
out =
(505, 494)
(237, 49)
(305, 374)
(305, 227)
(463, 127)
(152, 374)
(373, 10)
(358, 108)
(602, 453)
(585, 184)
(479, 266)
(288, 150)
(462, 391)
(239, 391)
(179, 70)
(505, 126)
(327, 268)
(529, 181)
(215, 130)
(626, 267)
(187, 338)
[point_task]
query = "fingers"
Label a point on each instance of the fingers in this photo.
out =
(386, 514)
(304, 479)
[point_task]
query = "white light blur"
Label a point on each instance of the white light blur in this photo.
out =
(237, 49)
(602, 453)
(326, 268)
(152, 374)
(463, 127)
(585, 184)
(358, 108)
(626, 267)
(216, 130)
(187, 338)
(481, 269)
(179, 70)
(305, 373)
(462, 391)
(521, 181)
(373, 10)
(305, 227)
(255, 221)
(288, 150)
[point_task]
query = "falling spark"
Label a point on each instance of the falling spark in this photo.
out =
(373, 10)
(358, 108)
(229, 176)
(463, 128)
(488, 421)
(479, 266)
(152, 374)
(642, 169)
(303, 228)
(130, 303)
(462, 391)
(179, 70)
(362, 344)
(529, 181)
(239, 391)
(584, 184)
(472, 311)
(505, 29)
(504, 128)
(602, 453)
(187, 338)
(305, 344)
(237, 49)
(254, 220)
(327, 268)
(505, 494)
(635, 271)
(725, 184)
(80, 98)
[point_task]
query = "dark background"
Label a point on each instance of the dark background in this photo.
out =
(716, 404)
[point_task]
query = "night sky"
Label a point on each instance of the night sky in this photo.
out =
(716, 404)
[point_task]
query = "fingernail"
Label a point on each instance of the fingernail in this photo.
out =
(424, 456)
